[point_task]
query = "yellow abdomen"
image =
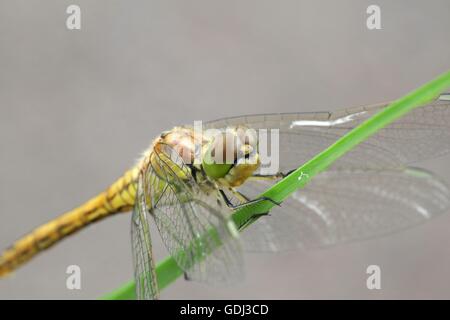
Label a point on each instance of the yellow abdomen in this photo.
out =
(119, 197)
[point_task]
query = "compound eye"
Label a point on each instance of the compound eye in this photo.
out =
(213, 168)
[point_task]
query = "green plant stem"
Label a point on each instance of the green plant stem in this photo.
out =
(167, 270)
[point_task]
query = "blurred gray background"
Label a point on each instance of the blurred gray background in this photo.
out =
(78, 107)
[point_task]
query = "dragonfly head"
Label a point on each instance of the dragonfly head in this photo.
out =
(231, 156)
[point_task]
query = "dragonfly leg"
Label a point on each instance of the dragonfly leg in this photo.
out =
(259, 177)
(242, 198)
(245, 201)
(278, 175)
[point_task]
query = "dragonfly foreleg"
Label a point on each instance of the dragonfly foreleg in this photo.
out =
(244, 200)
(278, 175)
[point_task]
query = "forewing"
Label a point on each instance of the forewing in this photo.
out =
(144, 266)
(421, 134)
(343, 206)
(195, 229)
(365, 193)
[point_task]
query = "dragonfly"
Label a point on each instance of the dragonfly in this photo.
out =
(373, 190)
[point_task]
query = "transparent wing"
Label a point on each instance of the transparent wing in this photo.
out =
(343, 206)
(144, 267)
(422, 133)
(195, 229)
